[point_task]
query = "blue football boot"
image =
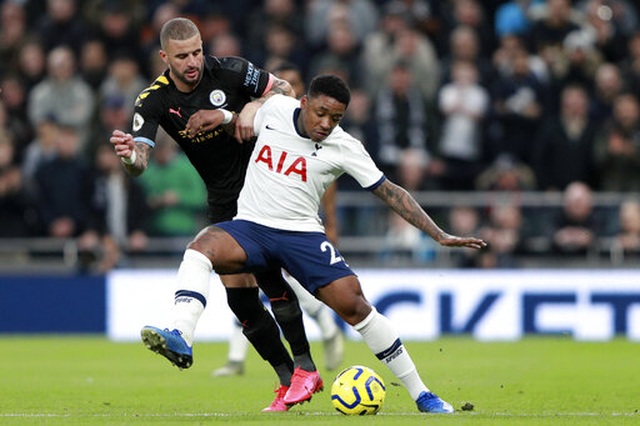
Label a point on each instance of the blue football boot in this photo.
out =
(169, 344)
(429, 402)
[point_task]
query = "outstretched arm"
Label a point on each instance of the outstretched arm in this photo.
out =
(244, 122)
(406, 206)
(134, 156)
(330, 216)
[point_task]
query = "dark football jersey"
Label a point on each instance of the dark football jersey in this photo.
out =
(220, 160)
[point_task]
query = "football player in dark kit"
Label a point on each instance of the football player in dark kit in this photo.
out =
(205, 104)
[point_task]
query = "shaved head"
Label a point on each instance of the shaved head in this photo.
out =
(177, 29)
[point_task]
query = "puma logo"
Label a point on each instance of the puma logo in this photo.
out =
(282, 298)
(176, 112)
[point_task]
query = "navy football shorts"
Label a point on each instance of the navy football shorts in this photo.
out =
(308, 256)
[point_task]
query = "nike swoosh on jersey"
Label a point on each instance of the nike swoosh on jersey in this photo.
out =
(270, 128)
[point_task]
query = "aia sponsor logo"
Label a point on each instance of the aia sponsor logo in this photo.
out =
(285, 164)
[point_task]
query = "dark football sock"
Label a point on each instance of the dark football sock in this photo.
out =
(286, 309)
(261, 330)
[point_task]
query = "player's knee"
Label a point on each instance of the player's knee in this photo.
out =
(225, 254)
(354, 310)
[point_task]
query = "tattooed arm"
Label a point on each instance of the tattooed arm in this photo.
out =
(406, 206)
(244, 122)
(127, 150)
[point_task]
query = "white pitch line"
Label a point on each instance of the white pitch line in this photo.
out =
(317, 413)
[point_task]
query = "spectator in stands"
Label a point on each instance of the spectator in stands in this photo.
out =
(503, 235)
(13, 32)
(465, 46)
(113, 113)
(13, 200)
(190, 8)
(149, 41)
(471, 14)
(358, 120)
(63, 94)
(62, 25)
(577, 63)
(401, 115)
(117, 224)
(517, 107)
(281, 45)
(361, 16)
(40, 150)
(403, 240)
(423, 12)
(606, 35)
(282, 13)
(622, 14)
(618, 149)
(225, 44)
(608, 85)
(463, 104)
(627, 238)
(564, 147)
(557, 21)
(291, 73)
(118, 30)
(342, 52)
(509, 47)
(216, 24)
(577, 225)
(123, 80)
(93, 63)
(403, 244)
(506, 173)
(174, 191)
(13, 101)
(514, 18)
(396, 39)
(31, 63)
(63, 188)
(630, 66)
(464, 220)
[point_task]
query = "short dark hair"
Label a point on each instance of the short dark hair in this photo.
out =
(177, 29)
(330, 85)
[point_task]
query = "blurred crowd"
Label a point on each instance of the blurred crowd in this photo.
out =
(448, 95)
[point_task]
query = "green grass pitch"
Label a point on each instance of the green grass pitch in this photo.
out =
(86, 380)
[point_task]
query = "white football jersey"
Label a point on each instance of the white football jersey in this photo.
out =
(288, 173)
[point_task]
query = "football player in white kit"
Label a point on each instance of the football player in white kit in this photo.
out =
(299, 152)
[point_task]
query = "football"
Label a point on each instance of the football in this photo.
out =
(358, 391)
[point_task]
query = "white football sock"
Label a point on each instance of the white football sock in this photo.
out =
(192, 292)
(327, 323)
(383, 340)
(238, 344)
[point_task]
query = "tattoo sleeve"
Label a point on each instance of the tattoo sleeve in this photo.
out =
(142, 159)
(282, 87)
(279, 87)
(408, 208)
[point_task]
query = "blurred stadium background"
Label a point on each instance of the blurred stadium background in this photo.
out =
(517, 121)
